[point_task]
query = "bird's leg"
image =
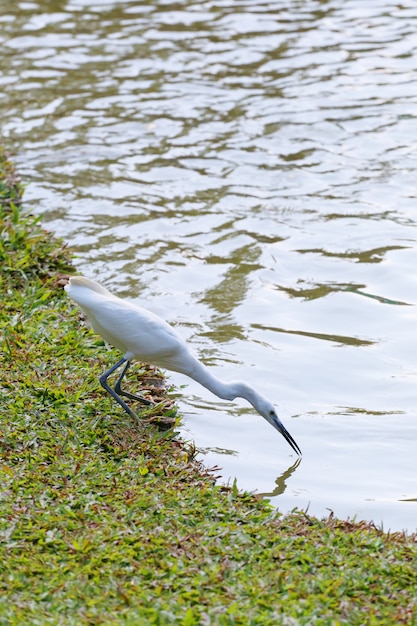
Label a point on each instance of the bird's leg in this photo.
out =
(112, 392)
(118, 388)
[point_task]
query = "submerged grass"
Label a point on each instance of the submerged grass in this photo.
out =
(104, 522)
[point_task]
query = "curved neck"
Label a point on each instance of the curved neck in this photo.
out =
(224, 390)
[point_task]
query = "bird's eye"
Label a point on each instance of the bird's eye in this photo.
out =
(271, 413)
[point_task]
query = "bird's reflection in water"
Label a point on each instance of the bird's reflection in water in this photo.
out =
(281, 481)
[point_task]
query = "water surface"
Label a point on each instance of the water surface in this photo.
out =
(248, 172)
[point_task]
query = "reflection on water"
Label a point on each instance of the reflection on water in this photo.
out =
(338, 339)
(281, 481)
(246, 170)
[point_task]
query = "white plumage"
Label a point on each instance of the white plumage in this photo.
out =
(142, 335)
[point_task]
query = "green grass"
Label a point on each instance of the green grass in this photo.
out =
(105, 522)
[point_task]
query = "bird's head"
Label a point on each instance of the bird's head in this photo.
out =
(264, 408)
(270, 414)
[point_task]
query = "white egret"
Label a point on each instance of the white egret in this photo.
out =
(142, 335)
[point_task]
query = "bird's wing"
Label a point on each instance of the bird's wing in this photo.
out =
(153, 340)
(132, 329)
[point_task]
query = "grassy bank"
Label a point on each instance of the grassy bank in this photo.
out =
(102, 522)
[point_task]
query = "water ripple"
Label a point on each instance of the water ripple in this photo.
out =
(246, 170)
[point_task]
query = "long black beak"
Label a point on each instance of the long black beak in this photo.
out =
(284, 432)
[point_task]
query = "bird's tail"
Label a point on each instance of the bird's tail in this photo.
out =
(82, 281)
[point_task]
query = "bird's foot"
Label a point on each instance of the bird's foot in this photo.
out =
(132, 396)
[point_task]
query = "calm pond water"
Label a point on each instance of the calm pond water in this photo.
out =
(248, 171)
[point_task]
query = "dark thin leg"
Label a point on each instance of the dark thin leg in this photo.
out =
(118, 388)
(112, 392)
